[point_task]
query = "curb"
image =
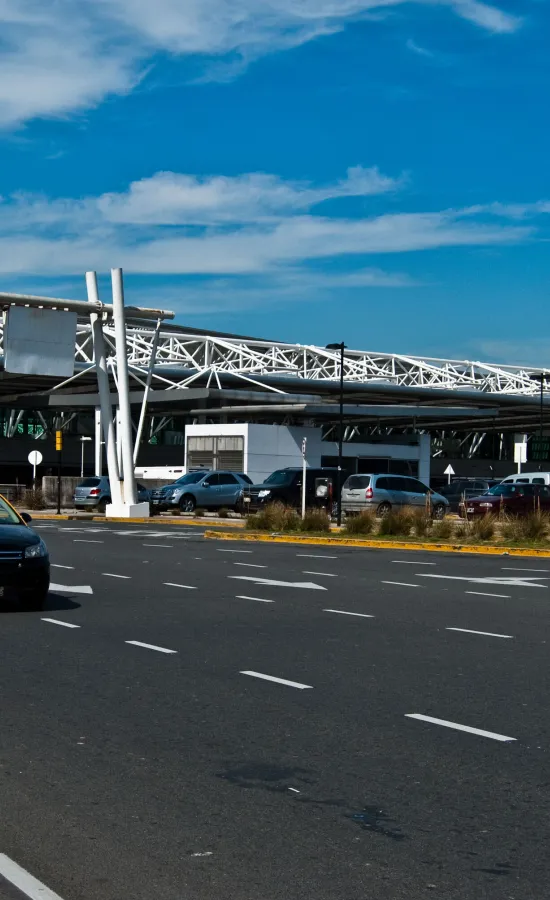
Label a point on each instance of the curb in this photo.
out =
(378, 545)
(176, 520)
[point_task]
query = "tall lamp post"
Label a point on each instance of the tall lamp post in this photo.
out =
(540, 377)
(341, 347)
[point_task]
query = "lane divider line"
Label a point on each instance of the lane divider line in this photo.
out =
(250, 565)
(484, 633)
(188, 587)
(344, 612)
(521, 569)
(315, 556)
(168, 546)
(24, 881)
(233, 551)
(83, 541)
(294, 684)
(58, 566)
(59, 622)
(454, 725)
(150, 646)
(401, 583)
(324, 574)
(412, 562)
(259, 599)
(112, 575)
(484, 594)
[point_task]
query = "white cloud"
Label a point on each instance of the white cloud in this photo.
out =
(416, 48)
(66, 56)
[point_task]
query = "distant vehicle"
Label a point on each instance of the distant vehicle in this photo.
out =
(208, 489)
(95, 493)
(466, 487)
(383, 493)
(285, 486)
(528, 478)
(24, 560)
(513, 499)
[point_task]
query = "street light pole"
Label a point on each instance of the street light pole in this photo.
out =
(341, 347)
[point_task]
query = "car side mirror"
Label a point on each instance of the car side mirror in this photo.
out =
(26, 517)
(206, 484)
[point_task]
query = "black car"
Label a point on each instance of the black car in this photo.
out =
(466, 487)
(24, 560)
(285, 486)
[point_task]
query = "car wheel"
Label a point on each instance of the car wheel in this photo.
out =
(102, 505)
(188, 503)
(383, 509)
(439, 511)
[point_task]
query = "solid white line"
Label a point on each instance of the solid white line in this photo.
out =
(250, 565)
(233, 551)
(344, 613)
(24, 881)
(316, 556)
(150, 647)
(82, 541)
(188, 587)
(401, 583)
(58, 622)
(517, 569)
(483, 594)
(58, 566)
(327, 574)
(170, 546)
(296, 684)
(112, 575)
(259, 599)
(484, 633)
(488, 734)
(412, 562)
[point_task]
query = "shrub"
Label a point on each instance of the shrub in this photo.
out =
(421, 521)
(223, 513)
(360, 524)
(315, 520)
(483, 528)
(533, 527)
(274, 517)
(199, 511)
(34, 499)
(397, 522)
(442, 530)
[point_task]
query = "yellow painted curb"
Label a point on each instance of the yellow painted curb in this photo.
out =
(378, 545)
(176, 520)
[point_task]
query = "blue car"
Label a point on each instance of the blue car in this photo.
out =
(207, 489)
(95, 493)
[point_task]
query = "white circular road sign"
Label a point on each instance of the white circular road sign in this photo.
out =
(35, 457)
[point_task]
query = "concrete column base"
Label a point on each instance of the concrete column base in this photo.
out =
(127, 511)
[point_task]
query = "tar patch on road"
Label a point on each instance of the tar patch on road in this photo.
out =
(377, 821)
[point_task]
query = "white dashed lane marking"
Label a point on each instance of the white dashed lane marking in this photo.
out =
(324, 574)
(484, 594)
(250, 565)
(150, 647)
(112, 575)
(344, 612)
(59, 566)
(294, 684)
(187, 587)
(484, 633)
(232, 551)
(59, 622)
(401, 583)
(259, 599)
(454, 725)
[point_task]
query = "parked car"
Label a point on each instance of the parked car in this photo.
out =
(95, 493)
(285, 486)
(513, 499)
(385, 492)
(24, 560)
(465, 488)
(206, 488)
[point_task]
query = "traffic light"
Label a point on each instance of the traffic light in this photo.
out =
(59, 440)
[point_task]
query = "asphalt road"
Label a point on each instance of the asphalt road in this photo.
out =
(172, 768)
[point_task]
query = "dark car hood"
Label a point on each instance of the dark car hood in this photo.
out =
(486, 498)
(17, 537)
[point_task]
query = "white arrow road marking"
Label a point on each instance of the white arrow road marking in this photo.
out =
(71, 588)
(294, 584)
(506, 582)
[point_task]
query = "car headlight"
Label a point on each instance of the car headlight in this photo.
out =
(264, 493)
(36, 550)
(486, 504)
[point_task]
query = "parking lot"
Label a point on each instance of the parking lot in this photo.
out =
(191, 719)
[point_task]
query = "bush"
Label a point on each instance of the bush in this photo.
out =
(223, 513)
(397, 522)
(199, 511)
(442, 530)
(483, 528)
(315, 520)
(274, 517)
(533, 527)
(360, 524)
(421, 521)
(34, 499)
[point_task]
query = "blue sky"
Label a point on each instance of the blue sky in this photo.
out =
(309, 170)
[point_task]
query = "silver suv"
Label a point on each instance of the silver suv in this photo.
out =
(385, 492)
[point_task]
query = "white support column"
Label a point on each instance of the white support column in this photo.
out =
(98, 446)
(130, 506)
(118, 432)
(152, 361)
(104, 389)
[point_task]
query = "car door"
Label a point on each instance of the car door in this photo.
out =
(205, 492)
(226, 492)
(414, 492)
(396, 488)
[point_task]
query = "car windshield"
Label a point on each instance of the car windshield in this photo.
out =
(191, 478)
(7, 514)
(505, 490)
(281, 476)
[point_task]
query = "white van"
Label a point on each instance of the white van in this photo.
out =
(528, 478)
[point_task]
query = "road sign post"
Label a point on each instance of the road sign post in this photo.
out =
(304, 445)
(35, 458)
